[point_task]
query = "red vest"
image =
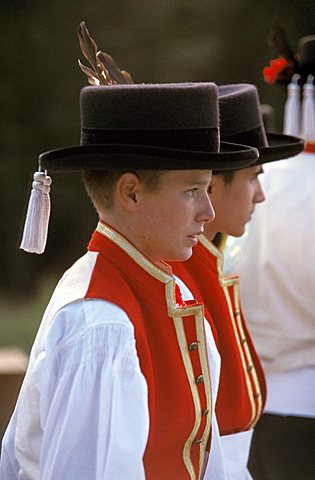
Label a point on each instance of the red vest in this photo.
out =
(170, 342)
(242, 388)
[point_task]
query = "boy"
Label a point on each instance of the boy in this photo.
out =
(120, 374)
(234, 196)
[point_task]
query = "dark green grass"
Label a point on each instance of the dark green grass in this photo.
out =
(19, 321)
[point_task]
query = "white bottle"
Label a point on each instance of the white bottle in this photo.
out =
(292, 108)
(308, 111)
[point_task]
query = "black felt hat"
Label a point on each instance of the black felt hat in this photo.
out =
(241, 122)
(149, 127)
(306, 57)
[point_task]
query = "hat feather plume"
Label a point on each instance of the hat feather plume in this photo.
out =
(120, 76)
(278, 39)
(104, 70)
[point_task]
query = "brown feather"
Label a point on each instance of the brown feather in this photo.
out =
(127, 76)
(87, 45)
(90, 74)
(119, 76)
(104, 70)
(98, 75)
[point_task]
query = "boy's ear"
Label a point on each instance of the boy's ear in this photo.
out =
(127, 190)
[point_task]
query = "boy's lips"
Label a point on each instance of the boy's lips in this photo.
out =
(194, 236)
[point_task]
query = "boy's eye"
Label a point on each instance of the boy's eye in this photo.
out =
(192, 191)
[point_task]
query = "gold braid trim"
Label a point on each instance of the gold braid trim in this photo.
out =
(177, 314)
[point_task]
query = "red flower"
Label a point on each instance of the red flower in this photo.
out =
(275, 67)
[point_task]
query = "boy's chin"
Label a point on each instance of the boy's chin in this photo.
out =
(181, 256)
(237, 232)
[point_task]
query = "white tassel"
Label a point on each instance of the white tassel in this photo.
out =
(292, 107)
(37, 217)
(308, 111)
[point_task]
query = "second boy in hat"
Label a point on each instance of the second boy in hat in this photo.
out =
(234, 196)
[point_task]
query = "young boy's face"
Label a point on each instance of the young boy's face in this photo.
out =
(174, 213)
(234, 203)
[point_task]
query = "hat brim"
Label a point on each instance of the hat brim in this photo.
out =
(142, 157)
(280, 147)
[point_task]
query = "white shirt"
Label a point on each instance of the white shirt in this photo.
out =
(276, 264)
(84, 400)
(235, 448)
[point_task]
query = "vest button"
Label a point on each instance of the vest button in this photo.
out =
(250, 368)
(193, 346)
(199, 379)
(243, 340)
(205, 412)
(257, 395)
(198, 441)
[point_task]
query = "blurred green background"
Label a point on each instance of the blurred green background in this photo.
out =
(224, 41)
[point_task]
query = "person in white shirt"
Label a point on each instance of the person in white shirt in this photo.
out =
(277, 277)
(123, 374)
(276, 263)
(235, 196)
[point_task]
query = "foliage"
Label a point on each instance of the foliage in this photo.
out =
(154, 40)
(20, 321)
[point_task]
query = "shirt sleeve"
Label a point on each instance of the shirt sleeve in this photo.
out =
(94, 408)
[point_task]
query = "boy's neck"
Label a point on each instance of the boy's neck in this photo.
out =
(122, 231)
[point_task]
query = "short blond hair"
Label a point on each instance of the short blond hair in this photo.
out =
(100, 184)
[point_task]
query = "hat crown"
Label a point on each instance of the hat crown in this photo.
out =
(306, 49)
(240, 115)
(163, 115)
(241, 122)
(150, 106)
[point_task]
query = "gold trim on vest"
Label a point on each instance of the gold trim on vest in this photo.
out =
(178, 313)
(249, 370)
(134, 253)
(254, 393)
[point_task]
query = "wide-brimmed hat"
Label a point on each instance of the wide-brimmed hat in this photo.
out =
(241, 122)
(149, 127)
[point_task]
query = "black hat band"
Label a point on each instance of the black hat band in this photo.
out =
(200, 139)
(255, 137)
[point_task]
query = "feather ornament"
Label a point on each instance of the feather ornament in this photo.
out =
(280, 70)
(104, 70)
(120, 76)
(278, 39)
(97, 75)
